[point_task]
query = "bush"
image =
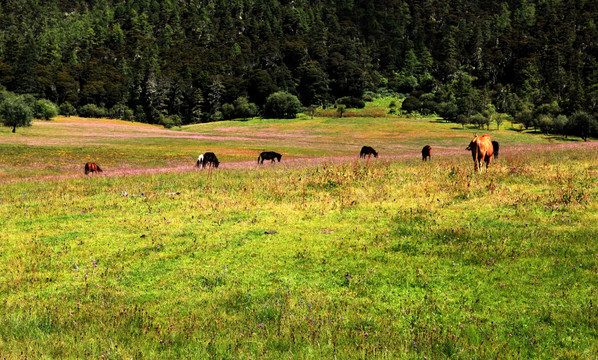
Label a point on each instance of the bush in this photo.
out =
(411, 104)
(351, 102)
(120, 111)
(67, 109)
(228, 111)
(129, 115)
(169, 121)
(45, 109)
(449, 111)
(140, 114)
(216, 116)
(428, 104)
(245, 109)
(92, 111)
(282, 105)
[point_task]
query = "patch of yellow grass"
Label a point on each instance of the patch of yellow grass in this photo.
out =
(76, 119)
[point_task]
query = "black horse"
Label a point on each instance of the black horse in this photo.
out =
(268, 155)
(209, 160)
(368, 151)
(496, 146)
(426, 153)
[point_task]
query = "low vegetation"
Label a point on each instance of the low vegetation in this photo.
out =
(350, 258)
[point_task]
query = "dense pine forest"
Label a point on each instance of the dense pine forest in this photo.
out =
(187, 61)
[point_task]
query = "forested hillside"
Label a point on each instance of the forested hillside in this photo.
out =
(151, 60)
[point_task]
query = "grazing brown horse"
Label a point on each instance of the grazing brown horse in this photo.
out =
(481, 150)
(268, 155)
(92, 167)
(426, 153)
(368, 151)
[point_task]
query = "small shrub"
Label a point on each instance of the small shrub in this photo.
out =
(92, 111)
(45, 109)
(119, 111)
(67, 109)
(129, 115)
(228, 111)
(170, 121)
(411, 104)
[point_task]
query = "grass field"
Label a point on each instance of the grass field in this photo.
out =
(331, 257)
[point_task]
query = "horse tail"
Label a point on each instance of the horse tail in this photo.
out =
(86, 168)
(258, 158)
(476, 149)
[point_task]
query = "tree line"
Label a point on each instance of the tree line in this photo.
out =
(179, 62)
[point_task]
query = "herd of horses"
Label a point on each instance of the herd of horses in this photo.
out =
(482, 148)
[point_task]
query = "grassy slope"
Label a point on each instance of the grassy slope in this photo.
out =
(386, 259)
(62, 146)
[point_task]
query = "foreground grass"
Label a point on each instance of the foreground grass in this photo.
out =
(354, 260)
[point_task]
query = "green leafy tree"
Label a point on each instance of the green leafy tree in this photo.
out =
(500, 118)
(545, 123)
(479, 120)
(15, 112)
(583, 125)
(560, 124)
(526, 118)
(282, 105)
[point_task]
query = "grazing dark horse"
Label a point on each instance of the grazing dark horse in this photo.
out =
(92, 167)
(481, 150)
(496, 147)
(210, 160)
(426, 153)
(268, 155)
(368, 151)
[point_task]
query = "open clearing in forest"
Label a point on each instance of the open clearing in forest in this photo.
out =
(319, 256)
(59, 148)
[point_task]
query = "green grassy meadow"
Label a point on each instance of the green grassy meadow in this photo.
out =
(335, 258)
